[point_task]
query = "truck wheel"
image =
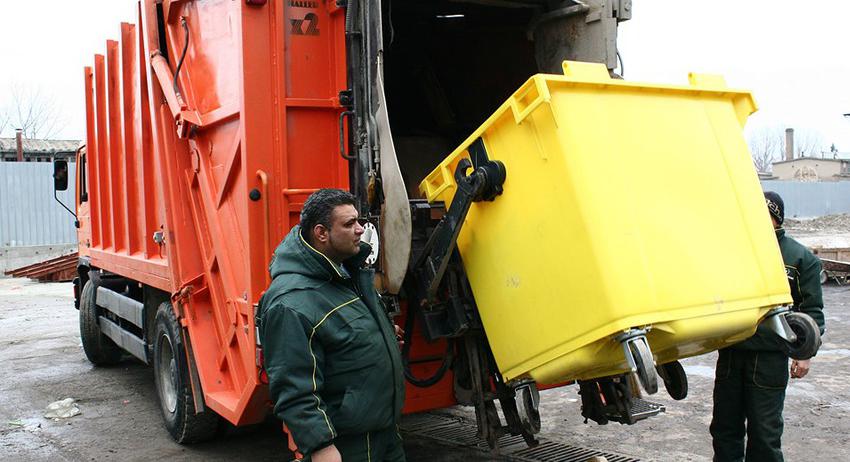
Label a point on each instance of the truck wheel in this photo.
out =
(173, 386)
(808, 336)
(99, 349)
(824, 277)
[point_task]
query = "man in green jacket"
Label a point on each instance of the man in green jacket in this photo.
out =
(331, 352)
(751, 376)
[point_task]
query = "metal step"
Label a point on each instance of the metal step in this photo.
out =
(642, 409)
(457, 431)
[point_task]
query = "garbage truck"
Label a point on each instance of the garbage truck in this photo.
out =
(535, 219)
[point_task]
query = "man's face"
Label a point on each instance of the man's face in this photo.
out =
(343, 238)
(776, 224)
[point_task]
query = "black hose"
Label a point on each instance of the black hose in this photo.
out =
(622, 66)
(448, 358)
(350, 15)
(182, 55)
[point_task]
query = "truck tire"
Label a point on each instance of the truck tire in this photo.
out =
(808, 336)
(173, 385)
(100, 349)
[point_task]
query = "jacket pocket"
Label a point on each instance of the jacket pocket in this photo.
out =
(770, 370)
(355, 414)
(344, 329)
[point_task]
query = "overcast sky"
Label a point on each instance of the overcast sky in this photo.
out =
(791, 54)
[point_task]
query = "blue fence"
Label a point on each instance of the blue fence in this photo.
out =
(808, 200)
(29, 215)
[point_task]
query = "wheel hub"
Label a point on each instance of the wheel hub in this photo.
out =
(167, 368)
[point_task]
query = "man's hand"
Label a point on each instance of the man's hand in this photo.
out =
(799, 368)
(399, 335)
(327, 454)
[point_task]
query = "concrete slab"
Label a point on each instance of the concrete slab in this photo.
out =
(17, 257)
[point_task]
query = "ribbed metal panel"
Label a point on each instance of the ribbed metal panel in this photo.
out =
(28, 213)
(809, 200)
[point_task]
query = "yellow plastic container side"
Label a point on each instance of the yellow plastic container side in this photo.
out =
(626, 205)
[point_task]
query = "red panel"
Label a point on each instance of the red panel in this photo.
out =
(133, 216)
(115, 157)
(100, 162)
(88, 233)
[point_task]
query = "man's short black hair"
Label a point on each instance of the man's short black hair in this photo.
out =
(319, 207)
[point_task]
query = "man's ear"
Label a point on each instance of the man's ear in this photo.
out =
(320, 233)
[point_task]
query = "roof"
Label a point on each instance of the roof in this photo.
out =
(31, 147)
(819, 159)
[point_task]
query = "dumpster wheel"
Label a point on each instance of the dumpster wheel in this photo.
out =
(808, 335)
(529, 408)
(675, 379)
(643, 363)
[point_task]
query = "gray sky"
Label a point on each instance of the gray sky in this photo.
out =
(790, 54)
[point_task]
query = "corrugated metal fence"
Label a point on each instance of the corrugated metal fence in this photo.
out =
(29, 215)
(807, 200)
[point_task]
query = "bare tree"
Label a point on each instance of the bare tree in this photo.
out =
(4, 120)
(36, 113)
(809, 143)
(766, 147)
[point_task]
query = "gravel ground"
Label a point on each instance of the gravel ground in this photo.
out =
(831, 231)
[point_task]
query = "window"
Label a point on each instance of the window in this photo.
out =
(81, 175)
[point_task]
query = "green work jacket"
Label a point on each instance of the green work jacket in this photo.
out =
(331, 353)
(803, 271)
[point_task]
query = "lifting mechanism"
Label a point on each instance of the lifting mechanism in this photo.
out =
(442, 299)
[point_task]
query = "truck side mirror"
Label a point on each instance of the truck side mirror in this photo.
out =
(60, 175)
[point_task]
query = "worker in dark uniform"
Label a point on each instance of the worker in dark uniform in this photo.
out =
(751, 376)
(331, 352)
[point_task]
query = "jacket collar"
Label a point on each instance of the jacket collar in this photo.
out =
(351, 264)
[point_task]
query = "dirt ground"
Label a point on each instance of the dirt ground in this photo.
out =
(42, 361)
(831, 231)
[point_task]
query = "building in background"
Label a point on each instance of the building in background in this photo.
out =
(812, 169)
(22, 149)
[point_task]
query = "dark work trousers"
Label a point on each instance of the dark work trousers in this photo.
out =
(378, 446)
(749, 394)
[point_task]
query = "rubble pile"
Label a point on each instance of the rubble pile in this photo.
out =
(839, 223)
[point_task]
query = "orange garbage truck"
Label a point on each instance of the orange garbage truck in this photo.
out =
(208, 124)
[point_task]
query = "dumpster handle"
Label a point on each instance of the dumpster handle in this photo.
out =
(536, 87)
(264, 180)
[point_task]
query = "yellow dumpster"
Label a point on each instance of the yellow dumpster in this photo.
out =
(626, 206)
